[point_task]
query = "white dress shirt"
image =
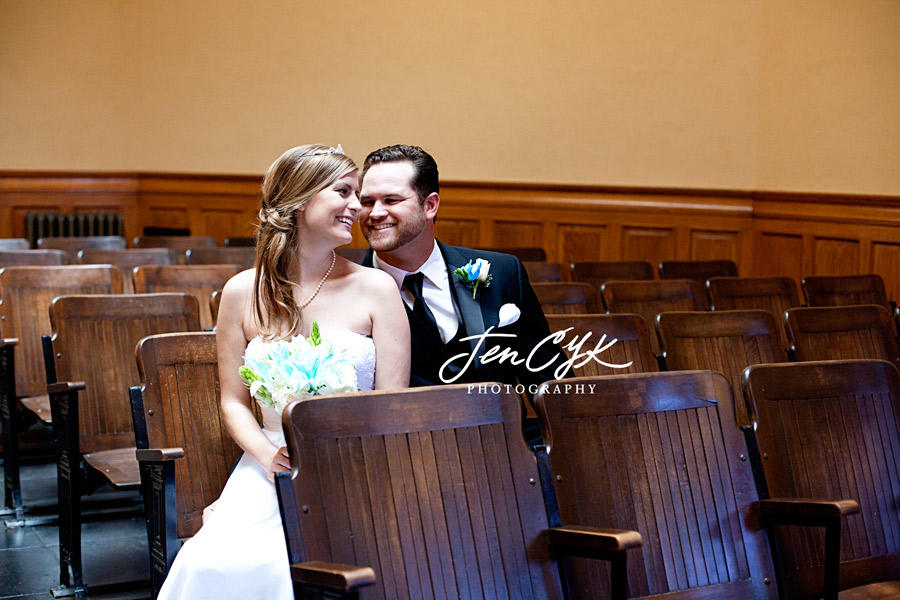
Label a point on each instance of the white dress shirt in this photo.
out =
(435, 290)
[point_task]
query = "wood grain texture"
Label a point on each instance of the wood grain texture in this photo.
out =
(564, 298)
(198, 280)
(632, 343)
(842, 332)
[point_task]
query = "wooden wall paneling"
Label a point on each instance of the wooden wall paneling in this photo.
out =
(219, 223)
(835, 256)
(580, 242)
(510, 234)
(651, 244)
(715, 245)
(778, 254)
(885, 258)
(457, 232)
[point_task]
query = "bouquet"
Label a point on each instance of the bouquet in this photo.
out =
(297, 368)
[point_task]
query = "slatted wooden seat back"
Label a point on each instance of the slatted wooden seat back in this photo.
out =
(128, 259)
(73, 244)
(565, 298)
(25, 296)
(632, 343)
(659, 453)
(725, 341)
(596, 273)
(245, 257)
(34, 258)
(698, 270)
(842, 332)
(94, 340)
(774, 294)
(830, 430)
(199, 280)
(176, 242)
(525, 253)
(433, 488)
(14, 244)
(649, 298)
(539, 271)
(177, 408)
(843, 290)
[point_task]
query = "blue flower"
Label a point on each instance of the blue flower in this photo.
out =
(475, 274)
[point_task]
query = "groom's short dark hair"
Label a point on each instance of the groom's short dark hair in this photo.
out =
(425, 180)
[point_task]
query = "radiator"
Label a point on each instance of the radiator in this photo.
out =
(82, 224)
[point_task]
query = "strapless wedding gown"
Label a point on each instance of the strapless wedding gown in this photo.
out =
(240, 551)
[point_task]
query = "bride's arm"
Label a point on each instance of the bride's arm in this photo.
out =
(236, 403)
(390, 332)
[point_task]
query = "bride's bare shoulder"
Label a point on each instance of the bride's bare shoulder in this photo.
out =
(370, 280)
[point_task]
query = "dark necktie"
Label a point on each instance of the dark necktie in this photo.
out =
(413, 282)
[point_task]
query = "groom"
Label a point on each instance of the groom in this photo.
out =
(449, 314)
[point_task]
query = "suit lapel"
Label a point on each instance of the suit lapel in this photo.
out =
(469, 309)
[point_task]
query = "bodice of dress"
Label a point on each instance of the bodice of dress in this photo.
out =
(359, 348)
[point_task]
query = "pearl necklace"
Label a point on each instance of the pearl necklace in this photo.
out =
(319, 287)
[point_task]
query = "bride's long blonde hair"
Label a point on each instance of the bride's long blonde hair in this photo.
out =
(291, 181)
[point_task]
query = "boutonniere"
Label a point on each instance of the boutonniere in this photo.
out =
(475, 274)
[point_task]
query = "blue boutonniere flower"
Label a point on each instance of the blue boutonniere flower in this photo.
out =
(475, 274)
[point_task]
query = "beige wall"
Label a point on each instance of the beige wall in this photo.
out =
(736, 94)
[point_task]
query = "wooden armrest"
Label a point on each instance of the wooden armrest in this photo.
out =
(159, 454)
(332, 575)
(8, 342)
(805, 511)
(64, 387)
(595, 538)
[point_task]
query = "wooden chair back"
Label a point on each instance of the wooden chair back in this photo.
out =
(842, 332)
(128, 259)
(25, 296)
(94, 340)
(525, 254)
(774, 294)
(543, 271)
(73, 244)
(352, 254)
(658, 453)
(434, 488)
(34, 258)
(596, 273)
(14, 244)
(243, 256)
(842, 290)
(726, 341)
(199, 280)
(179, 408)
(215, 299)
(176, 242)
(649, 298)
(565, 298)
(698, 270)
(632, 343)
(830, 430)
(239, 241)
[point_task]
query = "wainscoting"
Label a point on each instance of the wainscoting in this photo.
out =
(765, 233)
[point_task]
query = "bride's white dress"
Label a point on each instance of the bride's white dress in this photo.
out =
(240, 551)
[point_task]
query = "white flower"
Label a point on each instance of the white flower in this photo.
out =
(475, 274)
(509, 314)
(482, 268)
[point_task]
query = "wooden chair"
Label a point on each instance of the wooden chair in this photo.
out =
(128, 259)
(34, 258)
(14, 244)
(176, 242)
(649, 298)
(199, 280)
(659, 453)
(774, 294)
(842, 332)
(73, 244)
(181, 439)
(352, 254)
(92, 351)
(244, 256)
(525, 254)
(25, 296)
(543, 271)
(596, 273)
(843, 290)
(237, 242)
(565, 298)
(632, 343)
(726, 341)
(431, 488)
(698, 270)
(215, 299)
(830, 430)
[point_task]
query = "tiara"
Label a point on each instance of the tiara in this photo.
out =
(337, 150)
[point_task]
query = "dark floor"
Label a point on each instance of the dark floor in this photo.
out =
(114, 548)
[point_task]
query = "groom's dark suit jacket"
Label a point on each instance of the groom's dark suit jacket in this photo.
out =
(509, 285)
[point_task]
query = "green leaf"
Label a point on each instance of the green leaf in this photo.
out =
(315, 338)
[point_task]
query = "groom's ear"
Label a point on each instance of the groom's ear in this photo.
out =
(431, 204)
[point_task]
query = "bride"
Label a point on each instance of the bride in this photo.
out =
(309, 203)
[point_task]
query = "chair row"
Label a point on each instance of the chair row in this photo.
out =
(115, 242)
